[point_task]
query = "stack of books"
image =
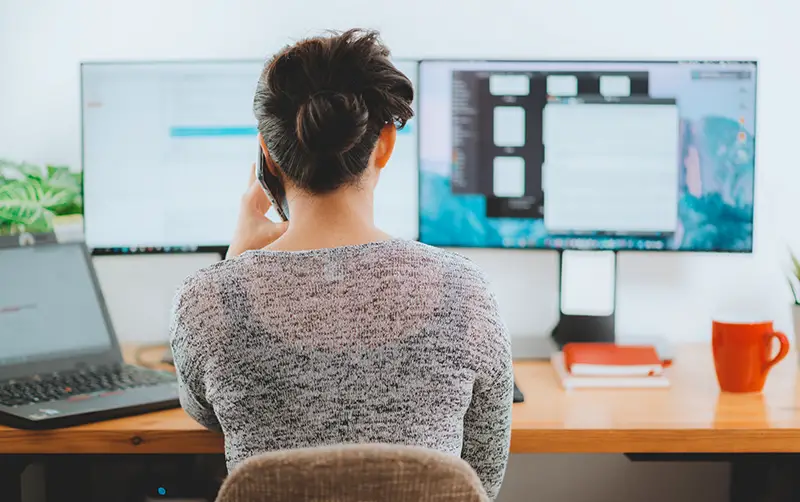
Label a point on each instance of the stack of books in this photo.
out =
(607, 365)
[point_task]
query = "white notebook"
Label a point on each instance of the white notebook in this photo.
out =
(569, 381)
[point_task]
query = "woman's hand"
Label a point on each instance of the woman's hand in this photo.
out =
(254, 230)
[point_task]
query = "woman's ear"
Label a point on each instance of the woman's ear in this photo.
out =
(385, 145)
(270, 165)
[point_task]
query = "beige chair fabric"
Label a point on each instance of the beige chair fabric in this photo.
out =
(353, 473)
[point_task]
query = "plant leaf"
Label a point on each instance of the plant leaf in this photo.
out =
(20, 202)
(30, 196)
(8, 169)
(31, 171)
(63, 179)
(61, 191)
(52, 170)
(795, 265)
(21, 170)
(42, 225)
(794, 290)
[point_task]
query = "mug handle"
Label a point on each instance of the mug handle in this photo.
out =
(782, 352)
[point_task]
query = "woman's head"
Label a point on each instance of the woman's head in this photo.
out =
(327, 108)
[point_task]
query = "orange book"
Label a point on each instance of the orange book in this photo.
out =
(608, 359)
(569, 381)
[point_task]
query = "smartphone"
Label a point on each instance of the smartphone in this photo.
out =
(272, 186)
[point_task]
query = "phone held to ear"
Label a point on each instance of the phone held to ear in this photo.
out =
(272, 187)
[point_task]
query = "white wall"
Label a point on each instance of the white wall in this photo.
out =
(673, 295)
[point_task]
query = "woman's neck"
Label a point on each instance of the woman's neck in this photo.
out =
(342, 218)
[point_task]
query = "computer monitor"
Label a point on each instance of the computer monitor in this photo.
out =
(166, 152)
(588, 155)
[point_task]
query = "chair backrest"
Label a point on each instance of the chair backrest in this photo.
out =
(345, 473)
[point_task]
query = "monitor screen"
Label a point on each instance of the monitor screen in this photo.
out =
(587, 155)
(167, 148)
(53, 310)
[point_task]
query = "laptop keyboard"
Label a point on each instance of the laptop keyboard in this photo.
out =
(75, 385)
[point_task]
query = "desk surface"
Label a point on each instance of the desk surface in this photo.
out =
(691, 416)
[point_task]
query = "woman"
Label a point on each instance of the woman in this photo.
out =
(326, 330)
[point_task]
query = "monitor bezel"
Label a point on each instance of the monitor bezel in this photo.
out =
(220, 249)
(109, 356)
(753, 62)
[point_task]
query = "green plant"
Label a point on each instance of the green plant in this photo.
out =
(32, 196)
(794, 278)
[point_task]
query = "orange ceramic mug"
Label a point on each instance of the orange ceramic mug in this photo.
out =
(743, 354)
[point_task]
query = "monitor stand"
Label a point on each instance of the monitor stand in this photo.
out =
(585, 277)
(590, 326)
(595, 273)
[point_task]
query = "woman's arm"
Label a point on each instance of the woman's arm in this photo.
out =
(487, 427)
(487, 423)
(199, 410)
(190, 352)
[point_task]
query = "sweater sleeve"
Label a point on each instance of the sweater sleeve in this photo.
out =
(487, 423)
(190, 340)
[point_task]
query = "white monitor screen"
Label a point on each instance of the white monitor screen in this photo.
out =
(167, 148)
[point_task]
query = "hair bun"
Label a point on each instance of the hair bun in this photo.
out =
(332, 122)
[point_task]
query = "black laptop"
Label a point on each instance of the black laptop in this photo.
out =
(60, 362)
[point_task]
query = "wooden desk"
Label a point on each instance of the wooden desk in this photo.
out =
(692, 416)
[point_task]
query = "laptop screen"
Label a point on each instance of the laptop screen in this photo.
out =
(49, 307)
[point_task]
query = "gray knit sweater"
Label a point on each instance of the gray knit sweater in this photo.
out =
(388, 342)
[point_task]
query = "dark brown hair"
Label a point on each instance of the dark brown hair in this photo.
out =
(321, 105)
